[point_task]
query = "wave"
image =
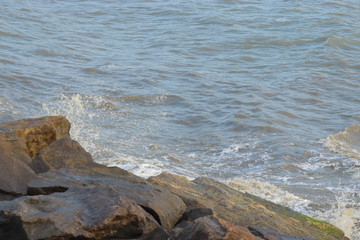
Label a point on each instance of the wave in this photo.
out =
(346, 142)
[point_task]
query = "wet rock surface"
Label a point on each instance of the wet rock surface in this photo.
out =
(51, 188)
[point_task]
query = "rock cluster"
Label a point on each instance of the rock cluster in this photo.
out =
(51, 188)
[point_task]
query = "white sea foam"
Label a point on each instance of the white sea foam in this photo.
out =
(75, 108)
(269, 192)
(344, 213)
(346, 142)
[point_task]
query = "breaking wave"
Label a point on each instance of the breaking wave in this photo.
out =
(346, 142)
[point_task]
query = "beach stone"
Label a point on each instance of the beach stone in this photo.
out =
(62, 153)
(79, 213)
(244, 209)
(164, 206)
(38, 133)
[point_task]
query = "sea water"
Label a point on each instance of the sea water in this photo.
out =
(262, 95)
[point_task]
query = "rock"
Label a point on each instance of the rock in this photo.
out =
(182, 187)
(273, 235)
(62, 153)
(196, 213)
(81, 213)
(164, 206)
(237, 232)
(210, 228)
(39, 132)
(14, 172)
(243, 209)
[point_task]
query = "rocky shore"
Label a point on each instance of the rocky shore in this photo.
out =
(51, 188)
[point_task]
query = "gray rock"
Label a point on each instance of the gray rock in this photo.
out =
(196, 213)
(14, 173)
(164, 206)
(83, 213)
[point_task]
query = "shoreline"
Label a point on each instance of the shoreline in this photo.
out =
(57, 191)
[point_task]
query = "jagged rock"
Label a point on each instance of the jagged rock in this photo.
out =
(62, 153)
(81, 213)
(164, 206)
(39, 132)
(14, 173)
(243, 209)
(210, 228)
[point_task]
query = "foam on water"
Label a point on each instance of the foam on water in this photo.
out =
(269, 192)
(346, 142)
(343, 213)
(75, 108)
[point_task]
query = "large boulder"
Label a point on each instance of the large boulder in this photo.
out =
(39, 132)
(62, 153)
(164, 206)
(79, 213)
(19, 142)
(243, 209)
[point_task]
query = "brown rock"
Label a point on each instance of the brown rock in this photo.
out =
(81, 213)
(210, 228)
(273, 235)
(205, 228)
(164, 206)
(243, 209)
(40, 132)
(13, 145)
(62, 153)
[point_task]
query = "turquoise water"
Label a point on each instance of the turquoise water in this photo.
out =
(262, 95)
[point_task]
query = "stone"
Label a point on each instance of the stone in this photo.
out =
(14, 172)
(210, 228)
(62, 153)
(273, 235)
(205, 228)
(196, 213)
(39, 132)
(164, 206)
(244, 209)
(79, 213)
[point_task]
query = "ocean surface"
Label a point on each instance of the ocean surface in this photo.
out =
(262, 95)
